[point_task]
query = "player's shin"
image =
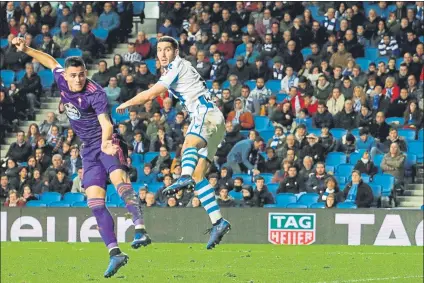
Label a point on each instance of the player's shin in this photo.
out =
(132, 202)
(105, 224)
(189, 161)
(206, 195)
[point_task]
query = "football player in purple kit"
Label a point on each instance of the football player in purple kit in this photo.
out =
(104, 153)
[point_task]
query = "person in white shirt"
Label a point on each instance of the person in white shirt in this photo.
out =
(289, 80)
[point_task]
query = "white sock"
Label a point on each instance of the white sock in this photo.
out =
(206, 195)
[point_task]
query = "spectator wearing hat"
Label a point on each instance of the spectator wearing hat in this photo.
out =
(219, 68)
(347, 145)
(248, 199)
(346, 119)
(365, 142)
(341, 57)
(358, 192)
(241, 119)
(240, 70)
(365, 165)
(226, 178)
(313, 149)
(224, 200)
(335, 103)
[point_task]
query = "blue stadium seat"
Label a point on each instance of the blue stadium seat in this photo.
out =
(151, 65)
(371, 53)
(116, 117)
(341, 181)
(266, 135)
(54, 31)
(138, 7)
(51, 197)
(344, 169)
(421, 135)
(36, 203)
(316, 205)
(270, 64)
(338, 133)
(7, 77)
(272, 187)
(115, 198)
(399, 61)
(347, 205)
(231, 62)
(110, 190)
(251, 84)
(314, 10)
(225, 84)
(111, 204)
(377, 160)
(61, 61)
(101, 34)
(137, 158)
(296, 205)
(72, 52)
(240, 49)
(247, 179)
(19, 75)
(267, 177)
(274, 86)
(38, 39)
(262, 123)
(363, 63)
(385, 60)
(270, 206)
(281, 97)
(149, 156)
(236, 195)
(3, 43)
(308, 198)
(306, 51)
(416, 147)
(376, 191)
(209, 84)
(47, 79)
(153, 41)
(329, 169)
(305, 121)
(59, 204)
(284, 199)
(386, 182)
(80, 204)
(155, 187)
(407, 134)
(73, 197)
(395, 120)
(314, 131)
(244, 134)
(411, 159)
(421, 38)
(335, 158)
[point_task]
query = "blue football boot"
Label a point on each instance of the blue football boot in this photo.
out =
(217, 232)
(141, 239)
(115, 263)
(183, 182)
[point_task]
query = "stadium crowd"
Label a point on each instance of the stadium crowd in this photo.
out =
(323, 101)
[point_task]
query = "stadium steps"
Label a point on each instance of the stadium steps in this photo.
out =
(412, 196)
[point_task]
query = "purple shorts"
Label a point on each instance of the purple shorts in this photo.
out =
(98, 165)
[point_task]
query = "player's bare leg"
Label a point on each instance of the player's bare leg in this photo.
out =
(122, 183)
(106, 225)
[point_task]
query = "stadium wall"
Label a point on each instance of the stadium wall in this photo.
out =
(255, 226)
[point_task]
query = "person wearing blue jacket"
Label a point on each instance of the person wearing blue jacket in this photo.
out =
(148, 176)
(239, 155)
(168, 29)
(366, 141)
(109, 20)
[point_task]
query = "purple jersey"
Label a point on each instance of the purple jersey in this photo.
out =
(83, 108)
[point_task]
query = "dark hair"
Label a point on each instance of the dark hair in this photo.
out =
(74, 61)
(259, 139)
(171, 40)
(246, 87)
(102, 61)
(238, 178)
(259, 178)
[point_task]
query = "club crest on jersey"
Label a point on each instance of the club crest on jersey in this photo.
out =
(72, 112)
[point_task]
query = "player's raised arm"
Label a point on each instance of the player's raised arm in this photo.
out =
(143, 97)
(45, 59)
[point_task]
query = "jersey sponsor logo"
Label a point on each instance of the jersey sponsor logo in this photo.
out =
(196, 126)
(291, 228)
(72, 112)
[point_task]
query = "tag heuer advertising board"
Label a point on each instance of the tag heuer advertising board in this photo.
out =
(291, 228)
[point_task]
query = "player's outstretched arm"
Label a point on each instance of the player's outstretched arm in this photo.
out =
(45, 59)
(142, 97)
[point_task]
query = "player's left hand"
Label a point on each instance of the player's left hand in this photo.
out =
(122, 108)
(109, 148)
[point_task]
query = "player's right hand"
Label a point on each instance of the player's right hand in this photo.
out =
(109, 148)
(19, 43)
(121, 108)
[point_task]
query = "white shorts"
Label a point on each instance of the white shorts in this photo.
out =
(209, 125)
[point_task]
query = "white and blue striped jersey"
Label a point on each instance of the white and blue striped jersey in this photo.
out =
(185, 83)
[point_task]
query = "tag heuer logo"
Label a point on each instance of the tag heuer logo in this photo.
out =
(291, 228)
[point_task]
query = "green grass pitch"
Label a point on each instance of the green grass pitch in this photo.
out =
(34, 262)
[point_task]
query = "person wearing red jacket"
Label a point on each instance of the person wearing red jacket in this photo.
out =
(241, 119)
(14, 200)
(311, 104)
(142, 45)
(391, 90)
(296, 100)
(225, 46)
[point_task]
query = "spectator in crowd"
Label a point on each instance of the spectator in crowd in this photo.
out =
(161, 140)
(391, 90)
(413, 116)
(14, 200)
(292, 57)
(224, 200)
(131, 56)
(323, 89)
(65, 17)
(19, 150)
(63, 38)
(73, 162)
(388, 46)
(168, 28)
(240, 70)
(113, 91)
(290, 80)
(380, 129)
(102, 76)
(117, 64)
(364, 117)
(77, 182)
(313, 149)
(129, 89)
(248, 199)
(365, 141)
(335, 103)
(23, 179)
(132, 172)
(358, 192)
(138, 144)
(315, 182)
(292, 183)
(341, 57)
(346, 118)
(150, 200)
(202, 66)
(327, 140)
(239, 155)
(330, 192)
(5, 186)
(47, 17)
(42, 160)
(60, 182)
(241, 119)
(219, 69)
(347, 144)
(142, 45)
(261, 193)
(89, 16)
(259, 69)
(322, 118)
(109, 20)
(365, 165)
(86, 41)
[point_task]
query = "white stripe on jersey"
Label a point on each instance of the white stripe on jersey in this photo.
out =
(185, 83)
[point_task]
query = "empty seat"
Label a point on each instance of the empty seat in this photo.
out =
(209, 84)
(246, 178)
(51, 197)
(306, 51)
(154, 187)
(3, 43)
(240, 49)
(274, 86)
(421, 135)
(338, 133)
(36, 203)
(138, 7)
(376, 191)
(341, 180)
(281, 97)
(344, 169)
(346, 205)
(270, 206)
(317, 205)
(335, 158)
(262, 123)
(73, 197)
(115, 198)
(363, 63)
(137, 158)
(80, 204)
(149, 156)
(47, 79)
(266, 135)
(416, 147)
(395, 120)
(411, 160)
(284, 199)
(151, 65)
(407, 134)
(7, 76)
(100, 34)
(59, 204)
(267, 177)
(386, 182)
(314, 131)
(19, 75)
(330, 169)
(308, 198)
(117, 117)
(111, 204)
(377, 160)
(272, 188)
(371, 53)
(225, 84)
(72, 52)
(296, 205)
(251, 84)
(354, 157)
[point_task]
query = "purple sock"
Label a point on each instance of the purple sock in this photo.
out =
(104, 222)
(132, 202)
